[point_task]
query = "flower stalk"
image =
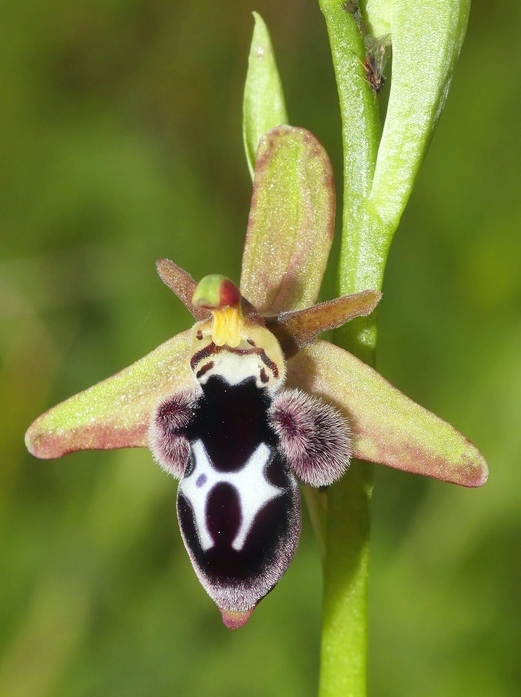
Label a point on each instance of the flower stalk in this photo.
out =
(343, 661)
(379, 173)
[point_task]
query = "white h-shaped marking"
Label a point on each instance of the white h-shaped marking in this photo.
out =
(251, 485)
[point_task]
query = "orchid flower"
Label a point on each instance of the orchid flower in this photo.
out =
(250, 400)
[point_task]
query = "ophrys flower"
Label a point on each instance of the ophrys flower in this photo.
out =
(249, 398)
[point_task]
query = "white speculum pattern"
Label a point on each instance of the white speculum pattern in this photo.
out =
(253, 489)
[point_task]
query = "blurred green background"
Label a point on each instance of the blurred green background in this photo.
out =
(120, 142)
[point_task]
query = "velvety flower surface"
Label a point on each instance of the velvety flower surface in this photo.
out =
(249, 400)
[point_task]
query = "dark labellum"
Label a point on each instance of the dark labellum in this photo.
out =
(238, 500)
(238, 442)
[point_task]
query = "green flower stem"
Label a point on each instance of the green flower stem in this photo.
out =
(365, 239)
(343, 661)
(343, 669)
(378, 178)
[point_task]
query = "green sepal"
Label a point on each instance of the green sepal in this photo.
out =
(116, 412)
(291, 222)
(387, 427)
(426, 42)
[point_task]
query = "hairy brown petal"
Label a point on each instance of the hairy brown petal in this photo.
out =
(182, 284)
(294, 330)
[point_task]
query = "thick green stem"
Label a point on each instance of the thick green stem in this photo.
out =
(344, 629)
(362, 260)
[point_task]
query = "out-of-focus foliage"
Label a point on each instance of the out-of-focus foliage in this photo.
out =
(120, 142)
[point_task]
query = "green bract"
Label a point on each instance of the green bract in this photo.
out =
(426, 41)
(264, 105)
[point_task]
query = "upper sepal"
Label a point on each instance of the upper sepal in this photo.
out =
(291, 222)
(387, 427)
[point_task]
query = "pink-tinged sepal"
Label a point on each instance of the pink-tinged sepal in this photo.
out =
(387, 427)
(314, 437)
(291, 222)
(116, 412)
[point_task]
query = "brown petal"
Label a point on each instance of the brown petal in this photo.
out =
(294, 330)
(291, 223)
(387, 426)
(182, 284)
(116, 412)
